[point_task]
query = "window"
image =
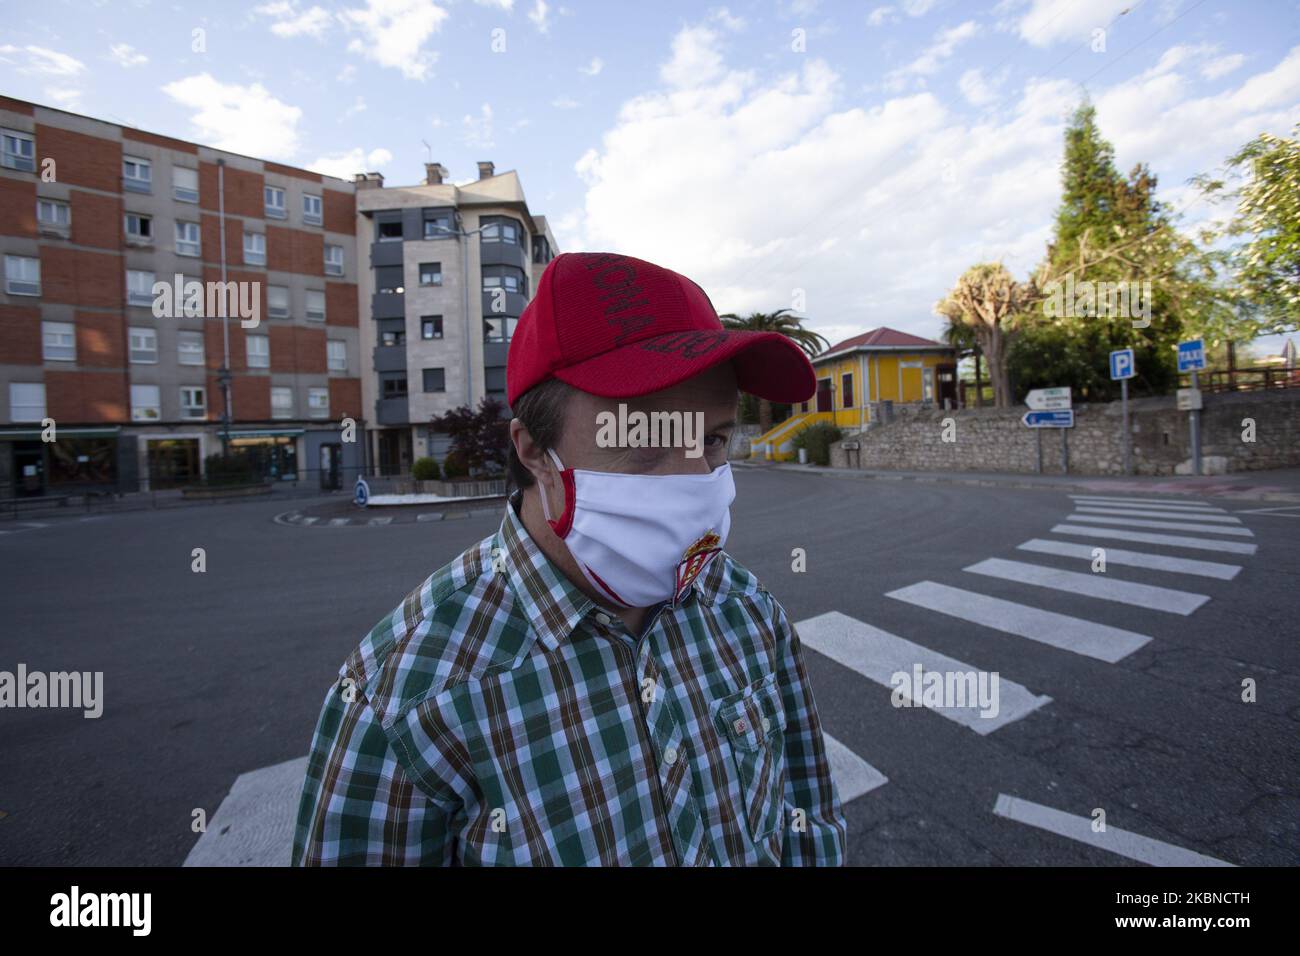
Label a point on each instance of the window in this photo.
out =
(846, 389)
(392, 338)
(338, 355)
(437, 227)
(18, 151)
(431, 327)
(26, 401)
(187, 238)
(139, 287)
(388, 279)
(53, 214)
(273, 202)
(498, 329)
(334, 260)
(59, 340)
(503, 230)
(277, 301)
(189, 348)
(508, 278)
(395, 387)
(139, 228)
(430, 273)
(390, 231)
(311, 210)
(541, 250)
(144, 346)
(315, 305)
(258, 350)
(193, 402)
(22, 275)
(185, 184)
(927, 384)
(282, 403)
(137, 174)
(318, 403)
(146, 403)
(435, 380)
(255, 248)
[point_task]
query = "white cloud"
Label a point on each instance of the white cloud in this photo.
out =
(594, 67)
(41, 61)
(1055, 21)
(125, 55)
(358, 106)
(346, 165)
(881, 15)
(242, 119)
(539, 15)
(502, 4)
(932, 57)
(757, 184)
(290, 21)
(347, 74)
(478, 129)
(978, 89)
(724, 16)
(913, 8)
(393, 33)
(1222, 66)
(67, 97)
(565, 103)
(917, 8)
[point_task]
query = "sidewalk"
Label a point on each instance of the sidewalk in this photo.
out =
(1281, 484)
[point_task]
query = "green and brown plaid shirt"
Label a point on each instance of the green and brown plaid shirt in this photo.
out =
(500, 717)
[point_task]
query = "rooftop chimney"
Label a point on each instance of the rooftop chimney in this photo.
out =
(486, 170)
(368, 180)
(434, 173)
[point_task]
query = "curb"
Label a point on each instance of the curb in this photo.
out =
(299, 520)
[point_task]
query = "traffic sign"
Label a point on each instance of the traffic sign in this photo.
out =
(1053, 419)
(1122, 364)
(1189, 400)
(361, 493)
(1049, 399)
(1191, 355)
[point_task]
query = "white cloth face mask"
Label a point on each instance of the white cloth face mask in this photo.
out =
(642, 539)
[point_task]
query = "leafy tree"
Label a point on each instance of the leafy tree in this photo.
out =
(1265, 263)
(479, 438)
(988, 301)
(791, 326)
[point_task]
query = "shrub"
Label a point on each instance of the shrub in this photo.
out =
(817, 440)
(234, 470)
(425, 469)
(455, 466)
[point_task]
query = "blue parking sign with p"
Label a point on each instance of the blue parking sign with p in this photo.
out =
(1122, 364)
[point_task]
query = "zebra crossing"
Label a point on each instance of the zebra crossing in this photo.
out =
(883, 657)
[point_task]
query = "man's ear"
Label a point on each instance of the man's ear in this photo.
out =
(530, 455)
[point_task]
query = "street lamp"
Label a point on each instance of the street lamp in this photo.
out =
(464, 265)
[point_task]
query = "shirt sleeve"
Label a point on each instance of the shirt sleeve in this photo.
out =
(816, 830)
(360, 805)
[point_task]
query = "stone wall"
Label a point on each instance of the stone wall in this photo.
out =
(995, 440)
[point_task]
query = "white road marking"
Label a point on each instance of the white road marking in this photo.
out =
(1150, 513)
(311, 520)
(853, 776)
(1175, 540)
(338, 522)
(1123, 843)
(387, 520)
(1137, 559)
(1100, 641)
(877, 655)
(1189, 505)
(1170, 525)
(1092, 585)
(1271, 512)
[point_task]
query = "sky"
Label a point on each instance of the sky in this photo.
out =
(847, 160)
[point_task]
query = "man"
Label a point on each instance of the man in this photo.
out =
(598, 682)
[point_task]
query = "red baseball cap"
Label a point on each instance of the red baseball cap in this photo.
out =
(617, 327)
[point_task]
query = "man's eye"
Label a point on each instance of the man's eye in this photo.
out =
(716, 439)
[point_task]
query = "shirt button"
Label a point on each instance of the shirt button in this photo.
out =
(767, 725)
(670, 756)
(603, 618)
(740, 726)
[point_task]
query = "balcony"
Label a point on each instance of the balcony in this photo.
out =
(390, 358)
(392, 411)
(503, 254)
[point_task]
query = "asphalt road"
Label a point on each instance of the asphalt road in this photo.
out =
(210, 675)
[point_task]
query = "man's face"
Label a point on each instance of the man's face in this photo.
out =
(705, 407)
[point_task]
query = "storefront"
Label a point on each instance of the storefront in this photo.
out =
(273, 454)
(79, 460)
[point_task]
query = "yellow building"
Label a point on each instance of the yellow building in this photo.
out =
(854, 376)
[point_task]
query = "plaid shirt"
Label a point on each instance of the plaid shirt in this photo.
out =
(500, 717)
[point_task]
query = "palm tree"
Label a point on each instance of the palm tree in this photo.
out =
(791, 327)
(961, 337)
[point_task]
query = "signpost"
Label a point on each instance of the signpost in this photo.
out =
(1123, 368)
(1055, 419)
(1050, 408)
(1191, 358)
(1049, 399)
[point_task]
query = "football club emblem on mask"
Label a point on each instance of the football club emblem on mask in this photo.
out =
(693, 561)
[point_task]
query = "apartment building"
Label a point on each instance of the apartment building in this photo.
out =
(92, 215)
(450, 268)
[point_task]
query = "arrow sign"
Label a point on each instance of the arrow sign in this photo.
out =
(1048, 399)
(1054, 419)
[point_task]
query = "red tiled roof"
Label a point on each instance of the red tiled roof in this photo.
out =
(883, 337)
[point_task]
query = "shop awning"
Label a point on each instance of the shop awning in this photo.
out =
(25, 434)
(268, 433)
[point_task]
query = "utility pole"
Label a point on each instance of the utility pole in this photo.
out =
(223, 376)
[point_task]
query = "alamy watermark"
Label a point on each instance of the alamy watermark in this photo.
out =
(74, 689)
(946, 689)
(1087, 299)
(651, 430)
(212, 299)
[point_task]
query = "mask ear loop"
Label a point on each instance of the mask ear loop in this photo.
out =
(546, 511)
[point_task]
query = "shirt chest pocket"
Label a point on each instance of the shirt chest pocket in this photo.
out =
(751, 723)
